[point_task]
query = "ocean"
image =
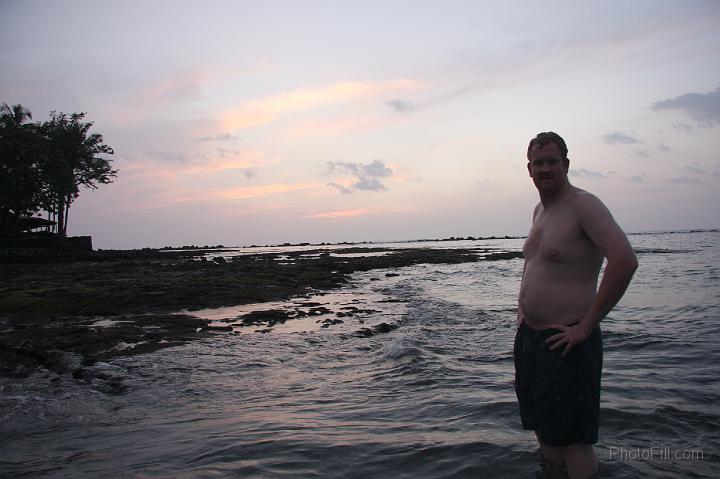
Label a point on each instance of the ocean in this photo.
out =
(432, 398)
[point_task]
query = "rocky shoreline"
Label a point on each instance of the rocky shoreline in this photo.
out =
(66, 313)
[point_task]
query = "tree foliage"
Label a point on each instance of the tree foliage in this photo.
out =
(44, 165)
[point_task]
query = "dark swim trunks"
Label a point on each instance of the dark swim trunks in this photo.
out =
(559, 396)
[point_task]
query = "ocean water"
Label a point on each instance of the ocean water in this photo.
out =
(432, 398)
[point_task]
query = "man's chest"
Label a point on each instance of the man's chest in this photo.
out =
(555, 237)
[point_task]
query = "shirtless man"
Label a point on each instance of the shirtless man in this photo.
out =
(558, 348)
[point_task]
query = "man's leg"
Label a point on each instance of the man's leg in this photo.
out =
(581, 461)
(553, 453)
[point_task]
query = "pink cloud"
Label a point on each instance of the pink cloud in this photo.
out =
(340, 214)
(265, 110)
(261, 191)
(335, 126)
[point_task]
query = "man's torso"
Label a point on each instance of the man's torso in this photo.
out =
(561, 267)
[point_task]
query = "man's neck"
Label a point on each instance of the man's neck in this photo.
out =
(550, 199)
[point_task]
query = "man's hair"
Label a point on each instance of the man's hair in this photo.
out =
(545, 138)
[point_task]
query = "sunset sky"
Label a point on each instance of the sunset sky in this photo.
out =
(256, 122)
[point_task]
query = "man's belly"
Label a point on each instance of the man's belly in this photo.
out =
(547, 299)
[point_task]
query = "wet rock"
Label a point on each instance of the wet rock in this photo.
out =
(66, 344)
(218, 328)
(384, 328)
(377, 329)
(503, 256)
(352, 310)
(364, 332)
(266, 316)
(330, 322)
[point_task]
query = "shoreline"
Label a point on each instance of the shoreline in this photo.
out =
(50, 307)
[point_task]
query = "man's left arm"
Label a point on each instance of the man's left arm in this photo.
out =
(599, 225)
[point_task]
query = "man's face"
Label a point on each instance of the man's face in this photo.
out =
(548, 168)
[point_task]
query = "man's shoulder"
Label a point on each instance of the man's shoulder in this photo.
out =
(584, 200)
(589, 210)
(580, 194)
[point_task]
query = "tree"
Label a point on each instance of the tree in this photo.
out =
(20, 156)
(43, 166)
(73, 160)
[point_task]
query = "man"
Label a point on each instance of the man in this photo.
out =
(558, 348)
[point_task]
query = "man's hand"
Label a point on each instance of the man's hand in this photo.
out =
(570, 336)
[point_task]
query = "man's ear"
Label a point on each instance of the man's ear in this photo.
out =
(529, 170)
(566, 161)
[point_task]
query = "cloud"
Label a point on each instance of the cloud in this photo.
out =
(642, 153)
(369, 184)
(334, 125)
(683, 125)
(583, 173)
(218, 137)
(339, 214)
(618, 137)
(376, 168)
(704, 108)
(261, 191)
(169, 156)
(696, 170)
(664, 148)
(638, 178)
(342, 189)
(686, 180)
(366, 176)
(202, 158)
(400, 106)
(267, 109)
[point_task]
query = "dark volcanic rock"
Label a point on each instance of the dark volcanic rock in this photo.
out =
(503, 256)
(377, 329)
(265, 316)
(329, 322)
(64, 344)
(47, 304)
(218, 328)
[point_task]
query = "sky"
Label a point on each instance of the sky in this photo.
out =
(265, 122)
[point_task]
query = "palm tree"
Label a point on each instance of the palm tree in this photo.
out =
(74, 160)
(14, 116)
(19, 154)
